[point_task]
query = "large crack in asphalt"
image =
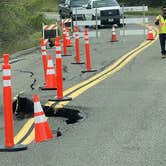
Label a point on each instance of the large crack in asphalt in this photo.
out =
(31, 75)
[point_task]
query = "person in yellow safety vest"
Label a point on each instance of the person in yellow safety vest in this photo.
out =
(161, 22)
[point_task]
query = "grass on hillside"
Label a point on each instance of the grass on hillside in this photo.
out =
(30, 37)
(50, 6)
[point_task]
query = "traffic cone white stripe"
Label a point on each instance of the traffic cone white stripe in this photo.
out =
(43, 48)
(77, 37)
(37, 107)
(113, 29)
(86, 41)
(45, 41)
(58, 56)
(6, 77)
(58, 52)
(40, 119)
(68, 38)
(39, 113)
(6, 83)
(50, 63)
(58, 48)
(6, 72)
(44, 53)
(86, 37)
(50, 71)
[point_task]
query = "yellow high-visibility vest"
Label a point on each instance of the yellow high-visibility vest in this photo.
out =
(162, 24)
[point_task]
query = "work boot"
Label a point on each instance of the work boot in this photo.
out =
(163, 56)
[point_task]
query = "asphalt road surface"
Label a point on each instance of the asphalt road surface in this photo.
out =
(124, 112)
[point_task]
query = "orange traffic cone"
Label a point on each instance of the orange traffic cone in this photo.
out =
(68, 41)
(150, 34)
(87, 52)
(44, 57)
(114, 36)
(42, 128)
(59, 67)
(8, 114)
(65, 42)
(77, 47)
(50, 83)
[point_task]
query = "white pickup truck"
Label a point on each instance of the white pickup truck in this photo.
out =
(110, 12)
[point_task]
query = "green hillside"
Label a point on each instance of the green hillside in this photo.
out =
(21, 20)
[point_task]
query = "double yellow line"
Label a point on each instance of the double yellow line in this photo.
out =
(26, 134)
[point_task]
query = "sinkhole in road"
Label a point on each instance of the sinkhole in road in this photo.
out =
(72, 115)
(23, 107)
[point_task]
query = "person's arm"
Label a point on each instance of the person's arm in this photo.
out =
(157, 20)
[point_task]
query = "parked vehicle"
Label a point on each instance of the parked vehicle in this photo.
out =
(67, 6)
(110, 12)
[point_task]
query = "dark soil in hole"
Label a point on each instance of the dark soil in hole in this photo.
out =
(72, 115)
(23, 107)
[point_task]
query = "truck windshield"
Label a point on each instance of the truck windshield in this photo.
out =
(78, 3)
(105, 3)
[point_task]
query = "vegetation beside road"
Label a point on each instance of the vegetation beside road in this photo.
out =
(20, 26)
(21, 20)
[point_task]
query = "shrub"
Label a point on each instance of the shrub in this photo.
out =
(36, 21)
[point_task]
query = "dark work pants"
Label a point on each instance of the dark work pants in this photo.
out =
(162, 38)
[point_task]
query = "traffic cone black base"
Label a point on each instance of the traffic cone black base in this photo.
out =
(63, 99)
(44, 88)
(88, 71)
(17, 147)
(114, 41)
(67, 55)
(79, 63)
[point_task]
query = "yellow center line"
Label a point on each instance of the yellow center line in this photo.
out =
(49, 103)
(85, 85)
(30, 138)
(23, 130)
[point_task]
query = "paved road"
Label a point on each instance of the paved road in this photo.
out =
(125, 122)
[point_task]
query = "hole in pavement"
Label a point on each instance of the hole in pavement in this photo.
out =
(72, 115)
(23, 107)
